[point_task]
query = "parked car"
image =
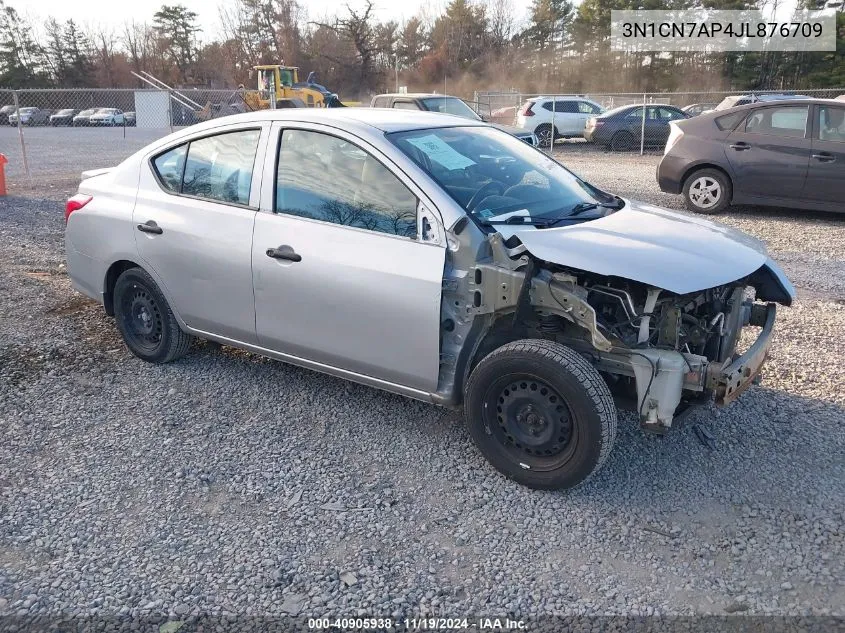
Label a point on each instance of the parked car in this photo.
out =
(30, 116)
(5, 111)
(129, 117)
(620, 129)
(446, 105)
(698, 108)
(63, 117)
(84, 117)
(780, 153)
(432, 256)
(738, 100)
(567, 121)
(107, 116)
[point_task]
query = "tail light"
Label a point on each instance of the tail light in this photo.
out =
(527, 111)
(675, 135)
(75, 204)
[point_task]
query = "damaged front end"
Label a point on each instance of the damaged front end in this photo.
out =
(661, 352)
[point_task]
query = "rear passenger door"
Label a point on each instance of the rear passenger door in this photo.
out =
(346, 272)
(193, 221)
(770, 152)
(826, 173)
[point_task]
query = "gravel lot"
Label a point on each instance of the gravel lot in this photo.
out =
(229, 483)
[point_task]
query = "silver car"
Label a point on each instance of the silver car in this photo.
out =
(430, 256)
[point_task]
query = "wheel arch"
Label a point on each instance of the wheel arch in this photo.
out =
(114, 271)
(706, 165)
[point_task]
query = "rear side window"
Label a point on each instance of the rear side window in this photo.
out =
(220, 167)
(169, 167)
(381, 102)
(405, 105)
(786, 121)
(216, 168)
(729, 121)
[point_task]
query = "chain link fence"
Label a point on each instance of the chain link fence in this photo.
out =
(53, 135)
(49, 136)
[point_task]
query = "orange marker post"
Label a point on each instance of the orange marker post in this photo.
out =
(3, 161)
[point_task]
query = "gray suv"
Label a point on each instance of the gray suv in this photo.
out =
(784, 153)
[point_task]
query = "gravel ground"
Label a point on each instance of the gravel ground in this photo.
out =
(229, 483)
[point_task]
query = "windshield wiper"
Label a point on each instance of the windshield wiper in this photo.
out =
(521, 219)
(583, 207)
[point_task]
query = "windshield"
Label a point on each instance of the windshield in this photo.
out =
(498, 178)
(28, 110)
(88, 112)
(106, 111)
(450, 105)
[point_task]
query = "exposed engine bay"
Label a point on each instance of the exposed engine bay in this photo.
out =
(660, 352)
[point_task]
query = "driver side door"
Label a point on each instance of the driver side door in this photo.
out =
(345, 273)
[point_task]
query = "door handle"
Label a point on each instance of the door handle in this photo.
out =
(284, 252)
(741, 146)
(824, 157)
(150, 226)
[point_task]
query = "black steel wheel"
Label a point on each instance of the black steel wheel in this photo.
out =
(145, 320)
(532, 421)
(540, 413)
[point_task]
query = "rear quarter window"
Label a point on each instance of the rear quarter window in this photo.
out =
(729, 121)
(169, 167)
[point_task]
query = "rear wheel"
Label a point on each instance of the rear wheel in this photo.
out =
(622, 142)
(145, 320)
(707, 191)
(540, 413)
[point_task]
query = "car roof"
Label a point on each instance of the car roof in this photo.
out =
(787, 100)
(561, 98)
(416, 95)
(622, 108)
(384, 119)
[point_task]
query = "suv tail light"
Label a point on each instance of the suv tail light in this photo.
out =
(675, 135)
(75, 204)
(527, 111)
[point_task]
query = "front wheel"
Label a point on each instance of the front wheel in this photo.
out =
(145, 320)
(540, 413)
(546, 135)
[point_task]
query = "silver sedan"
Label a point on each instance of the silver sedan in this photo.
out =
(430, 256)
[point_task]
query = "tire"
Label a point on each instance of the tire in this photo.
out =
(707, 191)
(512, 402)
(544, 134)
(145, 320)
(622, 142)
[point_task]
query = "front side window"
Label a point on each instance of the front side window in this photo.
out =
(495, 177)
(220, 167)
(787, 121)
(326, 178)
(831, 123)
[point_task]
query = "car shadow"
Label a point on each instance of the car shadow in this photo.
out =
(769, 446)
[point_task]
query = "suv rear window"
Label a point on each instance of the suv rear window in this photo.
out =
(729, 121)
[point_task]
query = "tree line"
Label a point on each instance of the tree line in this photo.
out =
(470, 45)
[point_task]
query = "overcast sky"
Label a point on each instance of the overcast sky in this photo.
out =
(114, 13)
